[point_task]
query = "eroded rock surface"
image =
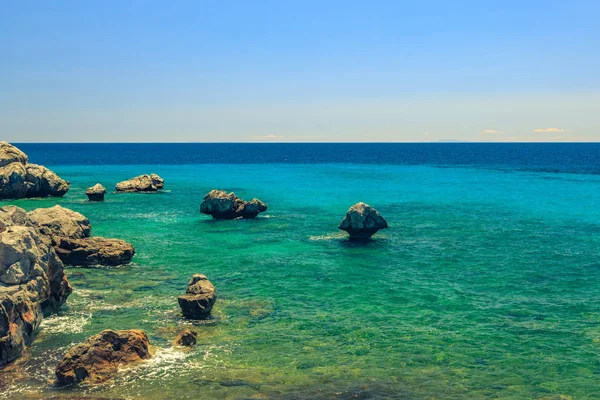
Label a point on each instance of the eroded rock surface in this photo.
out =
(186, 338)
(362, 221)
(94, 251)
(222, 205)
(20, 179)
(100, 356)
(96, 192)
(32, 281)
(141, 183)
(58, 221)
(199, 299)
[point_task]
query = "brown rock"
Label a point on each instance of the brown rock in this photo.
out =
(199, 298)
(100, 356)
(222, 205)
(19, 179)
(142, 183)
(96, 192)
(58, 221)
(94, 251)
(186, 338)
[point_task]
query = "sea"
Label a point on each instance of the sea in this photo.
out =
(486, 285)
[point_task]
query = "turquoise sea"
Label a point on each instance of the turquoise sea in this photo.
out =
(486, 285)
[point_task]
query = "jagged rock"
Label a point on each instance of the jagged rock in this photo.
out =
(186, 338)
(32, 281)
(199, 298)
(96, 192)
(100, 356)
(94, 251)
(222, 205)
(362, 221)
(142, 183)
(19, 179)
(58, 221)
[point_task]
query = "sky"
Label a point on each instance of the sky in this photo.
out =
(299, 71)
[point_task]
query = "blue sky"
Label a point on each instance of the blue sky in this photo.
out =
(299, 71)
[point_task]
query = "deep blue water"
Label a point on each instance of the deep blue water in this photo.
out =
(542, 157)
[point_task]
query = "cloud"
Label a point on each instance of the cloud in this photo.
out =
(548, 130)
(492, 131)
(266, 137)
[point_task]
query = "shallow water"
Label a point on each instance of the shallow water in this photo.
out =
(486, 285)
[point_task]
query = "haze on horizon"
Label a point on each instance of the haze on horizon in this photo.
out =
(200, 71)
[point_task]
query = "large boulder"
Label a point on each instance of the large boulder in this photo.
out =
(100, 356)
(32, 281)
(96, 192)
(19, 179)
(362, 221)
(94, 251)
(142, 183)
(59, 221)
(222, 205)
(199, 298)
(70, 234)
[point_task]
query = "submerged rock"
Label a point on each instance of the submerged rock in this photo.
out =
(362, 221)
(222, 205)
(142, 183)
(199, 298)
(20, 179)
(100, 356)
(96, 192)
(94, 251)
(32, 281)
(186, 338)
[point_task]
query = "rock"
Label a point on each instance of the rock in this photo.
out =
(70, 234)
(19, 179)
(96, 192)
(199, 298)
(362, 221)
(32, 281)
(100, 356)
(94, 251)
(60, 221)
(142, 183)
(222, 205)
(186, 338)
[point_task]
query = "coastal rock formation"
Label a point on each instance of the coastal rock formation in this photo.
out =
(100, 356)
(19, 179)
(32, 281)
(142, 183)
(186, 338)
(94, 251)
(70, 234)
(199, 298)
(362, 221)
(222, 205)
(96, 192)
(59, 221)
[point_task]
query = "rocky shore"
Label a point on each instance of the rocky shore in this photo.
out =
(21, 179)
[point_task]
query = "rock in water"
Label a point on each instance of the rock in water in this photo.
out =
(142, 183)
(199, 298)
(100, 356)
(94, 251)
(222, 205)
(32, 281)
(59, 221)
(19, 179)
(96, 193)
(362, 221)
(70, 234)
(186, 338)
